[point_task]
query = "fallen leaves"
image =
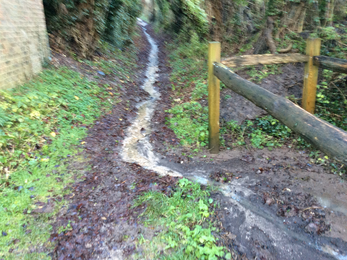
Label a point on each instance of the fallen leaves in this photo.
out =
(221, 176)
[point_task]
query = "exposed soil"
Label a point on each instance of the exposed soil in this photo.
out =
(103, 225)
(273, 205)
(287, 83)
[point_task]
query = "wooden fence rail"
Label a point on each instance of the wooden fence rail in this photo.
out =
(328, 138)
(325, 136)
(264, 59)
(329, 63)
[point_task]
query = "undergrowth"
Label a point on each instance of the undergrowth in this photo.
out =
(42, 126)
(189, 120)
(122, 68)
(183, 216)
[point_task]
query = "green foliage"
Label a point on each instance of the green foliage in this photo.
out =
(259, 139)
(121, 19)
(187, 15)
(200, 91)
(257, 75)
(331, 102)
(61, 14)
(75, 21)
(122, 68)
(235, 130)
(187, 233)
(41, 122)
(273, 127)
(190, 123)
(274, 7)
(189, 47)
(262, 132)
(189, 120)
(334, 44)
(32, 112)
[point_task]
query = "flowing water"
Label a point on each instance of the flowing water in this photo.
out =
(246, 215)
(137, 147)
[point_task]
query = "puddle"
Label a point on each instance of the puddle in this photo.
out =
(249, 221)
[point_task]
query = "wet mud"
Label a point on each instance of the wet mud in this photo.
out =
(288, 82)
(273, 205)
(103, 224)
(136, 146)
(273, 208)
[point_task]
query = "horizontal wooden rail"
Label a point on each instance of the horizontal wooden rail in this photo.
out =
(338, 65)
(264, 59)
(326, 137)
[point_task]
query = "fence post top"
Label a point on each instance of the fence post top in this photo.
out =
(314, 39)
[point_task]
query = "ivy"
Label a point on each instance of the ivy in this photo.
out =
(113, 21)
(187, 15)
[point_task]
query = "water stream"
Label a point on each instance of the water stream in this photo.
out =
(137, 149)
(136, 146)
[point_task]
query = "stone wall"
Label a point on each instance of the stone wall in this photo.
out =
(23, 41)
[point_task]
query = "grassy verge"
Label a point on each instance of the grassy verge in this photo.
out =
(189, 113)
(187, 232)
(42, 126)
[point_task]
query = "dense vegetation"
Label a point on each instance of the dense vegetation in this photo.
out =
(42, 123)
(81, 24)
(255, 24)
(183, 215)
(42, 126)
(251, 27)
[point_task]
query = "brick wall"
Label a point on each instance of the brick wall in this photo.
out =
(23, 41)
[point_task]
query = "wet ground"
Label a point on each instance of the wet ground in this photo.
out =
(276, 205)
(288, 82)
(273, 205)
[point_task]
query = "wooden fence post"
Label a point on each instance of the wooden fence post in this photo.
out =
(214, 51)
(310, 75)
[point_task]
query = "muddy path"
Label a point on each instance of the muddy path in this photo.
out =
(277, 205)
(100, 221)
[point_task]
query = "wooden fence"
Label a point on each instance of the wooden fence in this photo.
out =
(326, 137)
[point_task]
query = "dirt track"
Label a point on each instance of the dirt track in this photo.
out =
(272, 209)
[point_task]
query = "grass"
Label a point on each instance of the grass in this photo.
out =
(45, 122)
(189, 120)
(42, 126)
(183, 216)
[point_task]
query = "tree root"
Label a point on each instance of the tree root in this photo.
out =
(290, 46)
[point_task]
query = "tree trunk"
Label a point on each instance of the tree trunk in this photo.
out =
(301, 20)
(330, 13)
(328, 138)
(315, 16)
(296, 11)
(268, 34)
